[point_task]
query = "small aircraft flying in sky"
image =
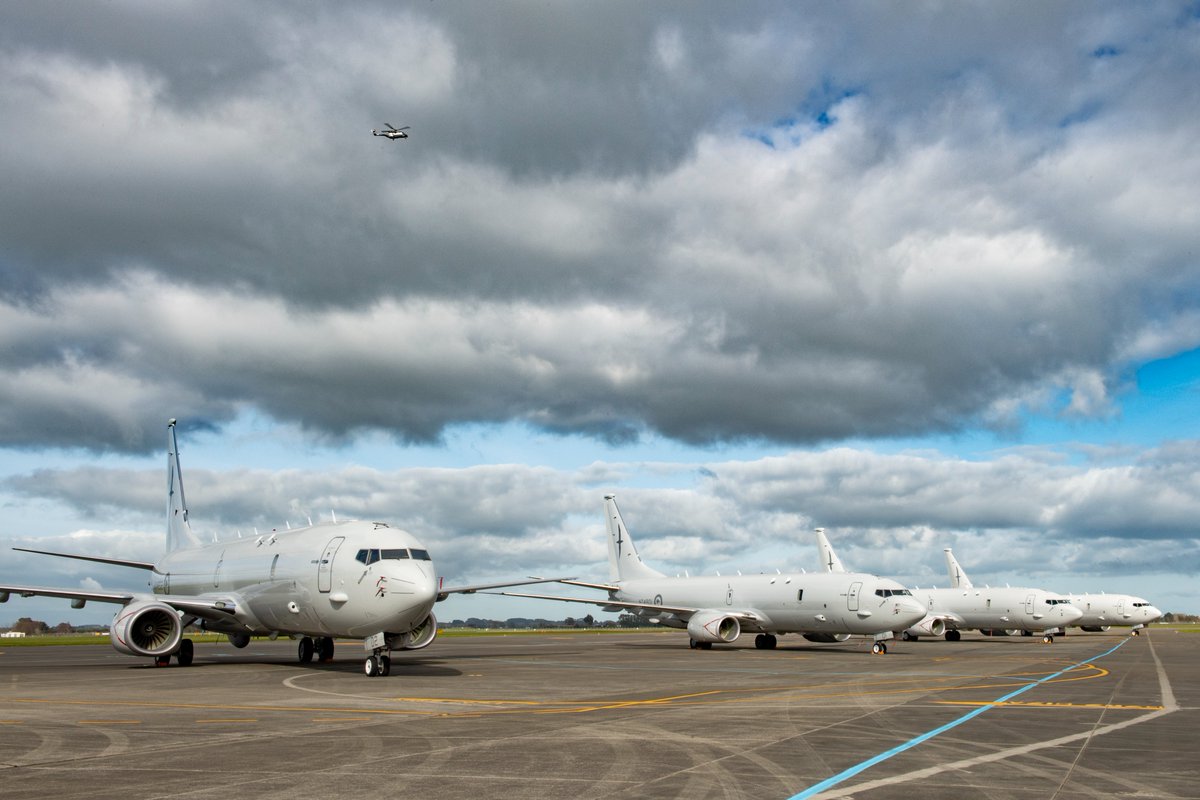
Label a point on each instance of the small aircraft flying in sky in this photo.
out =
(715, 610)
(392, 132)
(350, 579)
(965, 606)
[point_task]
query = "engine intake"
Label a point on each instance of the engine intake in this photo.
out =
(930, 626)
(713, 627)
(148, 628)
(419, 637)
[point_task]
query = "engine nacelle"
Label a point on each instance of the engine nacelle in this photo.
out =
(1094, 628)
(713, 626)
(148, 628)
(420, 636)
(930, 626)
(827, 638)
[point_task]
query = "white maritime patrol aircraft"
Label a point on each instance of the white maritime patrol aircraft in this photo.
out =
(965, 606)
(350, 579)
(1103, 611)
(716, 610)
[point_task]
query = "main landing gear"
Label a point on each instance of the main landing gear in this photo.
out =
(322, 648)
(183, 656)
(765, 641)
(695, 645)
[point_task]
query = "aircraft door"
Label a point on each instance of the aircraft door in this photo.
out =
(852, 595)
(728, 594)
(1030, 603)
(325, 565)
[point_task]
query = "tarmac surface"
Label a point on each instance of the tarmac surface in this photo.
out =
(630, 715)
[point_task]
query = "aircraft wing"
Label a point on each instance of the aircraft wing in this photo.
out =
(683, 612)
(69, 594)
(445, 592)
(208, 608)
(120, 562)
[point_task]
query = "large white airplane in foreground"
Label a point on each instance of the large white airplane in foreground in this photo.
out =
(355, 580)
(716, 610)
(965, 606)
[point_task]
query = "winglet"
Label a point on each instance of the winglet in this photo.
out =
(179, 531)
(829, 559)
(958, 578)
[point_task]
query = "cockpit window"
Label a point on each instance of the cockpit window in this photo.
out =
(892, 592)
(390, 554)
(1056, 601)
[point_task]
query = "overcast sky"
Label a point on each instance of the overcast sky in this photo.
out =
(923, 274)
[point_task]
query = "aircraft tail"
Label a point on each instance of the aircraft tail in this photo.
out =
(829, 559)
(624, 563)
(958, 578)
(179, 531)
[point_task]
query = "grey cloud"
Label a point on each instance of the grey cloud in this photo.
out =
(762, 222)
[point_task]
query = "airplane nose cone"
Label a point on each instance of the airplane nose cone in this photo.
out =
(1070, 614)
(909, 611)
(1152, 613)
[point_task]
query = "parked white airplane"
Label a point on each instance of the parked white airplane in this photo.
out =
(964, 606)
(1102, 611)
(716, 609)
(357, 580)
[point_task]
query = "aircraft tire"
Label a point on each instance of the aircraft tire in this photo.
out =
(760, 642)
(370, 667)
(879, 649)
(705, 645)
(772, 641)
(325, 649)
(305, 650)
(953, 636)
(186, 653)
(162, 661)
(1048, 639)
(385, 666)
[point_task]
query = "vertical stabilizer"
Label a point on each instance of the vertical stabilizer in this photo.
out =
(958, 578)
(179, 532)
(624, 563)
(829, 560)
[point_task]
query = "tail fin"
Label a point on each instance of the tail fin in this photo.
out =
(624, 562)
(958, 578)
(829, 558)
(179, 532)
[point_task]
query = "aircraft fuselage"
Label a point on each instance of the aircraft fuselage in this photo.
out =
(351, 579)
(809, 602)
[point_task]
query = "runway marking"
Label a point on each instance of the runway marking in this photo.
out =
(1169, 706)
(110, 722)
(230, 720)
(818, 788)
(1044, 704)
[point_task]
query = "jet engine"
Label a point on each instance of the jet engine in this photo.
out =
(1094, 628)
(827, 638)
(147, 628)
(713, 626)
(420, 636)
(930, 626)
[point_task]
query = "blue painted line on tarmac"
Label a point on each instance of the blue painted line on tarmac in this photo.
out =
(829, 783)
